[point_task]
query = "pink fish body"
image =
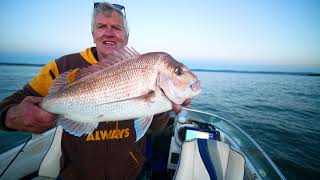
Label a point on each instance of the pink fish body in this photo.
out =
(124, 86)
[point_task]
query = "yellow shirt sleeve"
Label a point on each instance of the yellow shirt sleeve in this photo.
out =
(43, 80)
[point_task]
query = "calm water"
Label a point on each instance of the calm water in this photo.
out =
(280, 112)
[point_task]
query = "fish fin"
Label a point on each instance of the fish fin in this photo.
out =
(141, 126)
(77, 128)
(61, 81)
(125, 53)
(117, 56)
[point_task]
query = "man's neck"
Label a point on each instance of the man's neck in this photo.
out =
(101, 56)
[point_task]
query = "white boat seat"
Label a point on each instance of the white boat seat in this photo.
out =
(209, 159)
(50, 165)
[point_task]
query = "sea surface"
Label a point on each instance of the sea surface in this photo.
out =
(281, 112)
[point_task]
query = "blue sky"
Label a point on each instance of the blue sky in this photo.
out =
(243, 33)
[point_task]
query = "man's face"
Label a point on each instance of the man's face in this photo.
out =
(109, 33)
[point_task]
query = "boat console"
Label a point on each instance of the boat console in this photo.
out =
(197, 153)
(205, 146)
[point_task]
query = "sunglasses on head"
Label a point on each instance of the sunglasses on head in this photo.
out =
(117, 6)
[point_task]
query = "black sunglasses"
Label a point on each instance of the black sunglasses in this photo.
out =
(117, 6)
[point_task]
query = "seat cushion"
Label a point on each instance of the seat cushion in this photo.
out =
(191, 165)
(209, 159)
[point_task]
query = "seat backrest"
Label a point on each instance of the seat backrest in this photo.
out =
(50, 165)
(209, 159)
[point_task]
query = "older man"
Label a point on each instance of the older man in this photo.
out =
(110, 152)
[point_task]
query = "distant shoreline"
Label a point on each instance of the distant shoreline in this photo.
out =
(202, 70)
(260, 72)
(20, 64)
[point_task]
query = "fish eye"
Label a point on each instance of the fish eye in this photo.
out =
(178, 71)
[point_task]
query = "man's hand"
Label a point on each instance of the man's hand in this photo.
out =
(178, 108)
(28, 116)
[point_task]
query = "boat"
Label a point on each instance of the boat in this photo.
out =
(194, 145)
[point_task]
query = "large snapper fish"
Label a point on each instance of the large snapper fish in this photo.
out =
(124, 86)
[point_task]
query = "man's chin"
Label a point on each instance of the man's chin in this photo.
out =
(109, 50)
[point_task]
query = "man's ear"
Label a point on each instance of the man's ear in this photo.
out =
(94, 41)
(127, 39)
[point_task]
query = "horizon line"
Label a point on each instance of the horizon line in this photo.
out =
(202, 70)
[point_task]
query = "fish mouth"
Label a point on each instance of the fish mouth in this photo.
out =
(195, 86)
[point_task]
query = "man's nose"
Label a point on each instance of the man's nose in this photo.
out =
(109, 32)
